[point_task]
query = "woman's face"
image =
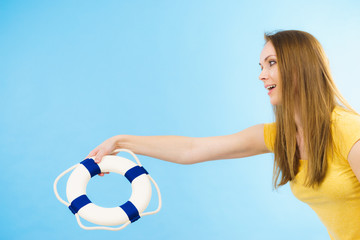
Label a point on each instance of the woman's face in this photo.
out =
(270, 72)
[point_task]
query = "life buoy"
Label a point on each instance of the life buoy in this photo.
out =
(131, 211)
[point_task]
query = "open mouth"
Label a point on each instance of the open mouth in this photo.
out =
(271, 87)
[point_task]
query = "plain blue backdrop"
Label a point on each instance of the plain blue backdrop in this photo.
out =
(74, 73)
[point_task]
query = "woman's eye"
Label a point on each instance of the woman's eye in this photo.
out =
(272, 63)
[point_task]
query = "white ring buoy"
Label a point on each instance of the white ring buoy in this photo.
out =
(129, 212)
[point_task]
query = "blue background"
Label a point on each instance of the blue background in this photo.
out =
(74, 73)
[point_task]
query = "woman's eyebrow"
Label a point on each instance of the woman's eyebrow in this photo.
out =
(267, 58)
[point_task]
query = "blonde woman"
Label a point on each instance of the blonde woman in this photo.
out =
(314, 138)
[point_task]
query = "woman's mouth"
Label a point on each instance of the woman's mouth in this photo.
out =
(271, 88)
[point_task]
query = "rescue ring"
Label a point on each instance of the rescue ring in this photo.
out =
(131, 211)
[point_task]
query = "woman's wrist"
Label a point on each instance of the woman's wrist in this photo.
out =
(122, 142)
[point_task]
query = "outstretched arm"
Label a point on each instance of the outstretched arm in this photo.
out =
(246, 143)
(188, 150)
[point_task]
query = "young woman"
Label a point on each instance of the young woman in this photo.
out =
(314, 139)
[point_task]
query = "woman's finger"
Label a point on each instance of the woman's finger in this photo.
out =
(92, 153)
(99, 156)
(103, 173)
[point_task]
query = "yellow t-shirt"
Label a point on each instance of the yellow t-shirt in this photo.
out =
(337, 200)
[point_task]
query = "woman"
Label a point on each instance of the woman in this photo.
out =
(314, 139)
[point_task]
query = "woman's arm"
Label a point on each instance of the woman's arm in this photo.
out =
(354, 159)
(246, 143)
(188, 150)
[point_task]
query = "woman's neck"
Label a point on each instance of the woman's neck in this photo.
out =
(298, 124)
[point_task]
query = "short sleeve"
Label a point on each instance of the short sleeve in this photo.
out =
(347, 131)
(269, 135)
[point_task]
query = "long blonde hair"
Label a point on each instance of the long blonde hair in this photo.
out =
(308, 88)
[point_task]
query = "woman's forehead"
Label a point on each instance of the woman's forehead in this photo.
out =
(267, 51)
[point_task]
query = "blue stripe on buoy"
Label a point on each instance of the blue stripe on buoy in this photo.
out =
(78, 203)
(91, 166)
(134, 172)
(131, 211)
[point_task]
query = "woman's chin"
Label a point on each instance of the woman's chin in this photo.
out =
(274, 101)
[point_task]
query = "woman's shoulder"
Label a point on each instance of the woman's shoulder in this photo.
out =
(345, 129)
(345, 116)
(269, 135)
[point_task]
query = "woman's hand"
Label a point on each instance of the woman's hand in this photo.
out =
(105, 148)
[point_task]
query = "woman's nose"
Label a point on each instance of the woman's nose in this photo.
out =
(263, 75)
